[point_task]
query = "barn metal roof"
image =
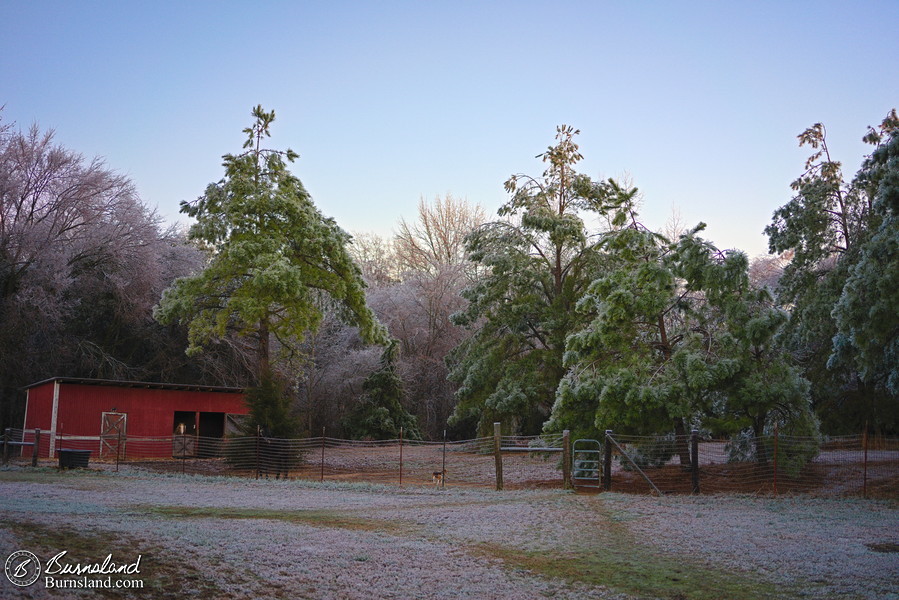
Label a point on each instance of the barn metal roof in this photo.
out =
(140, 384)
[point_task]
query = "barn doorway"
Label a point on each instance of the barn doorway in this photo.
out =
(212, 424)
(184, 434)
(212, 430)
(185, 423)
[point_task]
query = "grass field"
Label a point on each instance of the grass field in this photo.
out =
(239, 538)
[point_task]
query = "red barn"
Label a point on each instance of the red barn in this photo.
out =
(95, 414)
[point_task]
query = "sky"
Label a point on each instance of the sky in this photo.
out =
(698, 104)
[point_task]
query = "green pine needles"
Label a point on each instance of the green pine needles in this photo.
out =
(273, 258)
(380, 414)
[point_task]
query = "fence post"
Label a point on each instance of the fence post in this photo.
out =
(323, 455)
(775, 458)
(865, 471)
(498, 455)
(401, 457)
(118, 451)
(7, 433)
(607, 462)
(37, 447)
(566, 459)
(443, 472)
(258, 435)
(694, 459)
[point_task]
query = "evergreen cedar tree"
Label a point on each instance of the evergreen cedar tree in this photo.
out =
(380, 414)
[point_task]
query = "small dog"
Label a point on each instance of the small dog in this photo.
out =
(437, 477)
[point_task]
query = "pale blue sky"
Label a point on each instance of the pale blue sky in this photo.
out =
(699, 103)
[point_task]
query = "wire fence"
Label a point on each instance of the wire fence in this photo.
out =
(401, 462)
(837, 466)
(857, 465)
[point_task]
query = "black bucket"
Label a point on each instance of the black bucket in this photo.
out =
(74, 459)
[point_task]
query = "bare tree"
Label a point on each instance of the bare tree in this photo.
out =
(328, 375)
(435, 268)
(376, 258)
(437, 239)
(414, 283)
(766, 270)
(82, 262)
(675, 226)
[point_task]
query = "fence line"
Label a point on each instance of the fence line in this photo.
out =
(836, 466)
(775, 464)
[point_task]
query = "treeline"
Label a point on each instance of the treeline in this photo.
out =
(82, 262)
(563, 312)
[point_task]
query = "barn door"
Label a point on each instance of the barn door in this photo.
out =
(183, 446)
(113, 435)
(184, 436)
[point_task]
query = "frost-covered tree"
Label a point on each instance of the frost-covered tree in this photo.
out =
(536, 263)
(273, 256)
(867, 312)
(825, 228)
(677, 337)
(435, 241)
(82, 261)
(380, 413)
(376, 258)
(414, 281)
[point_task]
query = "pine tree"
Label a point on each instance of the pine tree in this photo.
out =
(273, 257)
(536, 263)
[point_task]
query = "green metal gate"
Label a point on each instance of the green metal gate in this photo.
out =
(586, 461)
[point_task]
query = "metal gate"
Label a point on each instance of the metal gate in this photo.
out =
(586, 462)
(113, 429)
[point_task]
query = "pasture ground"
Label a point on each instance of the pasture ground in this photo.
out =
(231, 537)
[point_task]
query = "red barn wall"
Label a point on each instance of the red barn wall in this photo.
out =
(150, 411)
(39, 407)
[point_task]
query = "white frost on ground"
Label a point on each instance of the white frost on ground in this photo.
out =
(430, 550)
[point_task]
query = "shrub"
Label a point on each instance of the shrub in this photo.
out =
(267, 438)
(655, 452)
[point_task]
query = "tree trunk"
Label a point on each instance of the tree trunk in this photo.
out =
(681, 442)
(264, 362)
(310, 385)
(758, 431)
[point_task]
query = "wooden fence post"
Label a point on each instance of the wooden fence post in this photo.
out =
(443, 472)
(566, 459)
(323, 455)
(37, 447)
(694, 459)
(865, 469)
(498, 455)
(775, 458)
(607, 462)
(7, 433)
(401, 457)
(258, 435)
